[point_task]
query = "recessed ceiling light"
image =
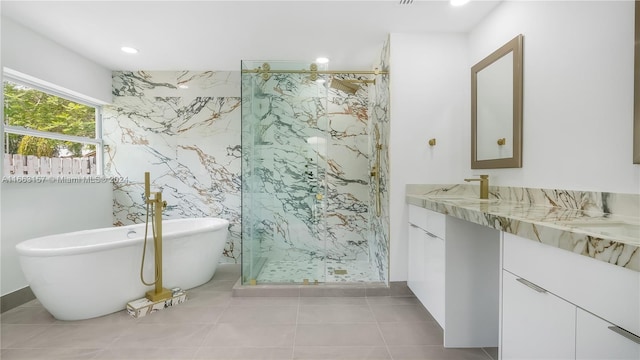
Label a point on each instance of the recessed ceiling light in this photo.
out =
(322, 60)
(458, 2)
(129, 50)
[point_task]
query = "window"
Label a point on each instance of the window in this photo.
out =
(48, 132)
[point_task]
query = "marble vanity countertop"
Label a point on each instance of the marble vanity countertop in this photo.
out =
(573, 221)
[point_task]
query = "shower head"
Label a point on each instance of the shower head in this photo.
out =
(344, 85)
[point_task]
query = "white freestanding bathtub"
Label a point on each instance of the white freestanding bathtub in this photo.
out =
(91, 273)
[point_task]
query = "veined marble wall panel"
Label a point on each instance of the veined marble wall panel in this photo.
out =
(348, 175)
(281, 176)
(303, 146)
(379, 115)
(184, 128)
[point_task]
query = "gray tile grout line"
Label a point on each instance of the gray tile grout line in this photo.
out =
(215, 324)
(295, 330)
(386, 346)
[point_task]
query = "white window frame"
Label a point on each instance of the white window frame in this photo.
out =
(52, 89)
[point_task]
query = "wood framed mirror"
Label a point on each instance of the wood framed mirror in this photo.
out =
(496, 108)
(636, 87)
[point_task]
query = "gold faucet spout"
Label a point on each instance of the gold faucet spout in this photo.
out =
(484, 185)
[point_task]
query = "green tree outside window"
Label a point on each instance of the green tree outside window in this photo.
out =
(34, 109)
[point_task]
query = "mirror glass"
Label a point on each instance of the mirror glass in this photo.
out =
(496, 108)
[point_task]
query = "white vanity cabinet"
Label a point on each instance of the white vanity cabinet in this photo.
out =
(535, 323)
(560, 305)
(453, 269)
(426, 259)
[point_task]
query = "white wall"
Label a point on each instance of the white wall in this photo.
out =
(30, 53)
(430, 95)
(33, 210)
(578, 103)
(578, 92)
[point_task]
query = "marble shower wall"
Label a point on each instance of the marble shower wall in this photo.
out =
(184, 128)
(306, 171)
(379, 118)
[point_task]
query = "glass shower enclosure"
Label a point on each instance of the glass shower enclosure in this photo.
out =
(305, 179)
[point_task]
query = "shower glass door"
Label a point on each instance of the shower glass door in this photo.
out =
(284, 175)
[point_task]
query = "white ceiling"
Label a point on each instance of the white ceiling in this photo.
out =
(217, 35)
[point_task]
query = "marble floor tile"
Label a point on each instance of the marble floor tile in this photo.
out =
(206, 298)
(260, 315)
(11, 334)
(333, 300)
(27, 315)
(401, 313)
(250, 335)
(244, 353)
(338, 335)
(185, 315)
(333, 314)
(162, 335)
(393, 300)
(341, 352)
(48, 354)
(212, 324)
(266, 301)
(118, 318)
(412, 333)
(436, 352)
(183, 353)
(73, 336)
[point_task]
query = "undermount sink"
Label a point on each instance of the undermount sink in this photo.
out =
(610, 228)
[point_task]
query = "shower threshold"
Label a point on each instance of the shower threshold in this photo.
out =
(358, 289)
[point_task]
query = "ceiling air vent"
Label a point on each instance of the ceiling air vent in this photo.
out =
(406, 2)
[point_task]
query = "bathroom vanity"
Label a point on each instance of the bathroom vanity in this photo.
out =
(542, 274)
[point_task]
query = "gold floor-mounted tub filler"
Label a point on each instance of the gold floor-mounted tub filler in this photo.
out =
(160, 297)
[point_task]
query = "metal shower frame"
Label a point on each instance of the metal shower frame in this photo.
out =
(265, 72)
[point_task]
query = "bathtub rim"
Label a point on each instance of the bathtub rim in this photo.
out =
(27, 248)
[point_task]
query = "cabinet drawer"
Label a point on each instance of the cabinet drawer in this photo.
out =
(608, 291)
(428, 220)
(598, 339)
(535, 324)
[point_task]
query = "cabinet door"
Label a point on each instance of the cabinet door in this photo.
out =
(599, 339)
(535, 323)
(434, 277)
(416, 262)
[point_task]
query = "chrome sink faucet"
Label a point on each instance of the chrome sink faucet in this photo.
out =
(484, 185)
